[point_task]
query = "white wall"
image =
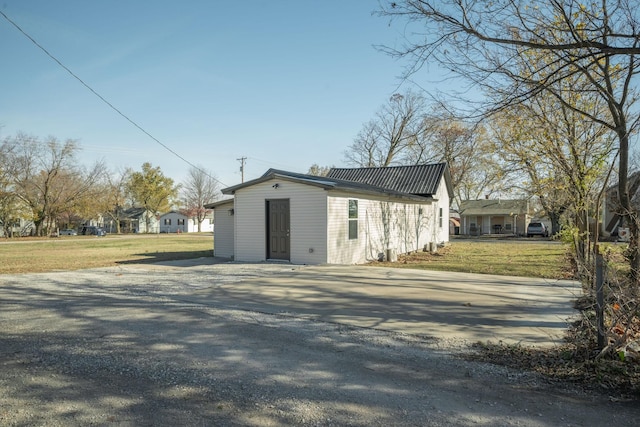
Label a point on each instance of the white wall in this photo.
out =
(382, 225)
(319, 222)
(153, 223)
(223, 236)
(442, 232)
(205, 227)
(189, 225)
(173, 227)
(307, 208)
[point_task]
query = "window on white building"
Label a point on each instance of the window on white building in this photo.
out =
(353, 219)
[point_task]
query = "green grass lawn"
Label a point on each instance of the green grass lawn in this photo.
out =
(77, 252)
(544, 259)
(514, 258)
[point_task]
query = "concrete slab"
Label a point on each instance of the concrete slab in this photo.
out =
(470, 307)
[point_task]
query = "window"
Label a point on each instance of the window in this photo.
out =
(180, 221)
(167, 221)
(440, 218)
(353, 219)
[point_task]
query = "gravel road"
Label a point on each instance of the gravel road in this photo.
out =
(131, 346)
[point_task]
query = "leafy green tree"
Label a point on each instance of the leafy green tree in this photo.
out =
(151, 190)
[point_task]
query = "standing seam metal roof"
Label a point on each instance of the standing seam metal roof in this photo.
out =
(419, 179)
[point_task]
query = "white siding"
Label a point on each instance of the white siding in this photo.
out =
(382, 225)
(343, 250)
(189, 225)
(223, 236)
(205, 227)
(307, 213)
(173, 226)
(442, 232)
(153, 223)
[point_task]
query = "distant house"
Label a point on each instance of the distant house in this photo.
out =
(494, 216)
(19, 227)
(177, 222)
(350, 216)
(611, 218)
(138, 220)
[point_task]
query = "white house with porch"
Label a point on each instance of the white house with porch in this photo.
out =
(495, 216)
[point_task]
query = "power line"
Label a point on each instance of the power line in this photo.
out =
(75, 76)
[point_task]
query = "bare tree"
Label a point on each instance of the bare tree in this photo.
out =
(200, 188)
(113, 198)
(11, 207)
(317, 170)
(48, 180)
(396, 126)
(405, 133)
(464, 147)
(487, 42)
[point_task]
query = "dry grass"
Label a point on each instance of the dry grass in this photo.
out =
(79, 252)
(504, 257)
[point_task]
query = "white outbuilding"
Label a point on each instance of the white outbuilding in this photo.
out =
(350, 216)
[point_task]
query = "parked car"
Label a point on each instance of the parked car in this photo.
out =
(68, 232)
(90, 230)
(537, 229)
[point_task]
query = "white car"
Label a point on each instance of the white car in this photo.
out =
(68, 232)
(537, 229)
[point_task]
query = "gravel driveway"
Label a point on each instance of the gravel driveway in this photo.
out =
(158, 345)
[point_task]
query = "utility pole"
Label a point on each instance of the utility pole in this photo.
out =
(241, 160)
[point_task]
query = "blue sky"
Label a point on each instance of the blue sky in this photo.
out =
(284, 83)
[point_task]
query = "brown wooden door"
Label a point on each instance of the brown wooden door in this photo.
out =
(278, 239)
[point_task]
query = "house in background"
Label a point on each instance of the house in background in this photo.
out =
(612, 222)
(350, 216)
(177, 222)
(495, 216)
(138, 220)
(19, 227)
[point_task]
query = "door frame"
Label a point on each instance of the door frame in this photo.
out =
(286, 256)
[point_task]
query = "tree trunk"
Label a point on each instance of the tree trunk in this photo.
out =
(629, 213)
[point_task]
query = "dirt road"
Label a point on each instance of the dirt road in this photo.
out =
(155, 346)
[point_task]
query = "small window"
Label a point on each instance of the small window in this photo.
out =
(180, 221)
(353, 219)
(440, 218)
(167, 221)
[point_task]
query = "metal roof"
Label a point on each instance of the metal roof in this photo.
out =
(329, 183)
(420, 180)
